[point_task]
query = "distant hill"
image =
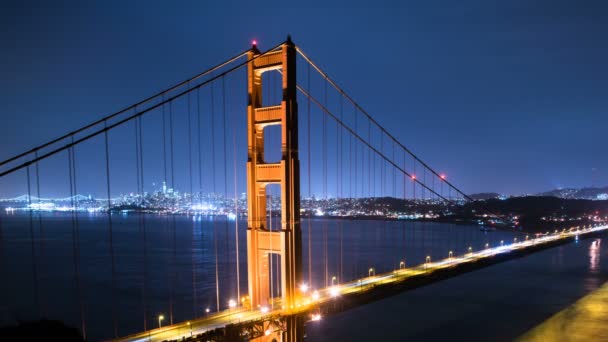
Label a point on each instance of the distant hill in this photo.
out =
(584, 193)
(484, 196)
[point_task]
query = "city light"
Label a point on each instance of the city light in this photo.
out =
(334, 291)
(315, 296)
(160, 319)
(304, 288)
(264, 309)
(231, 304)
(315, 317)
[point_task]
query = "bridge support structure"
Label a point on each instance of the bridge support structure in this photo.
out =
(261, 242)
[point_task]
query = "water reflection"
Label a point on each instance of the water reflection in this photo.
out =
(594, 256)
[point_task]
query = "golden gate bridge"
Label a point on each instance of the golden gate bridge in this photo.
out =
(275, 125)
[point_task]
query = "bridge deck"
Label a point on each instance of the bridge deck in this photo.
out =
(343, 296)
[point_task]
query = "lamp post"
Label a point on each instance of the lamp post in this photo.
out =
(190, 325)
(450, 256)
(231, 305)
(371, 272)
(470, 251)
(428, 260)
(160, 319)
(402, 265)
(333, 280)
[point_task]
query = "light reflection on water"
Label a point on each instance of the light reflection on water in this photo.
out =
(594, 256)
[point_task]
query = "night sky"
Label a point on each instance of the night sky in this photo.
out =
(504, 96)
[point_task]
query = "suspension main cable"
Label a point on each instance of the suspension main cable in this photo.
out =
(350, 99)
(424, 164)
(356, 135)
(111, 116)
(108, 127)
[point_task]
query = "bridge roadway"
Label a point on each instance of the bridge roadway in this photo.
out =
(314, 303)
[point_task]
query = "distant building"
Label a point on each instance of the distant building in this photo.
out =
(602, 197)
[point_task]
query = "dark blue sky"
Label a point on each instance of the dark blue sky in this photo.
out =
(506, 96)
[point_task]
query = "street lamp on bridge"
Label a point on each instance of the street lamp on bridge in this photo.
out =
(160, 319)
(371, 272)
(231, 305)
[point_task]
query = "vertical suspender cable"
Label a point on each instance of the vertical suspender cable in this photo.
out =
(190, 148)
(76, 236)
(225, 156)
(309, 183)
(43, 308)
(217, 279)
(340, 185)
(236, 207)
(200, 153)
(192, 246)
(369, 159)
(200, 181)
(173, 225)
(164, 144)
(382, 169)
(394, 175)
(325, 200)
(143, 223)
(356, 151)
(33, 246)
(111, 233)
